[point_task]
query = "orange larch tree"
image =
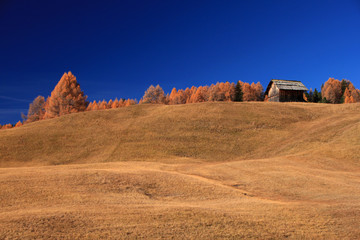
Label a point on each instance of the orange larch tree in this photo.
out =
(109, 104)
(89, 107)
(95, 106)
(258, 91)
(7, 126)
(103, 105)
(154, 95)
(18, 124)
(66, 97)
(247, 93)
(331, 90)
(36, 110)
(121, 103)
(130, 102)
(201, 95)
(115, 104)
(174, 97)
(351, 95)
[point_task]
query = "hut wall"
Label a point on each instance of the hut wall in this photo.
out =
(274, 94)
(291, 96)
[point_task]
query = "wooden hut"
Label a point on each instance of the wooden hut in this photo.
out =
(285, 91)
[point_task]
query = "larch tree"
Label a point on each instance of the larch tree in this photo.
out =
(351, 95)
(214, 92)
(182, 96)
(103, 105)
(95, 106)
(187, 94)
(109, 104)
(7, 126)
(67, 97)
(154, 95)
(247, 96)
(332, 90)
(258, 89)
(115, 104)
(89, 107)
(229, 91)
(201, 95)
(18, 124)
(190, 94)
(174, 97)
(130, 102)
(36, 110)
(167, 99)
(121, 102)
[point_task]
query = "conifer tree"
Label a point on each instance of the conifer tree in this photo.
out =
(7, 126)
(103, 105)
(258, 91)
(109, 104)
(316, 96)
(351, 95)
(238, 92)
(154, 95)
(18, 124)
(36, 110)
(66, 97)
(121, 103)
(344, 85)
(89, 107)
(95, 106)
(310, 96)
(115, 104)
(174, 98)
(332, 91)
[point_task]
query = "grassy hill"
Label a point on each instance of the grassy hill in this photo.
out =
(197, 171)
(208, 132)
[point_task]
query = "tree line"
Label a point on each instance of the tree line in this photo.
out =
(334, 91)
(67, 97)
(221, 91)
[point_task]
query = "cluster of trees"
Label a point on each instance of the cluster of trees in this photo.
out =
(223, 91)
(67, 97)
(334, 91)
(110, 104)
(9, 125)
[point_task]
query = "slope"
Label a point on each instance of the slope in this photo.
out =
(199, 171)
(187, 133)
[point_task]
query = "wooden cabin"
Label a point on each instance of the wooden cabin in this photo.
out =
(285, 91)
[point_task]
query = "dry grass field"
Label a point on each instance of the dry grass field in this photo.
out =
(197, 171)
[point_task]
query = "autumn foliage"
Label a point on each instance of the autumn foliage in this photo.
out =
(36, 110)
(331, 90)
(351, 95)
(223, 91)
(67, 97)
(335, 91)
(154, 95)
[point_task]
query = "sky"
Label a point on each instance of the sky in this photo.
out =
(119, 48)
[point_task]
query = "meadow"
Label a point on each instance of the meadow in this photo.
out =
(220, 170)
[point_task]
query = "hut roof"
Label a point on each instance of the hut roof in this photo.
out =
(286, 85)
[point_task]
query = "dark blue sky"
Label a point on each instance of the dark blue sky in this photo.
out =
(119, 48)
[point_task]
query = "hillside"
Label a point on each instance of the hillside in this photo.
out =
(196, 171)
(210, 132)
